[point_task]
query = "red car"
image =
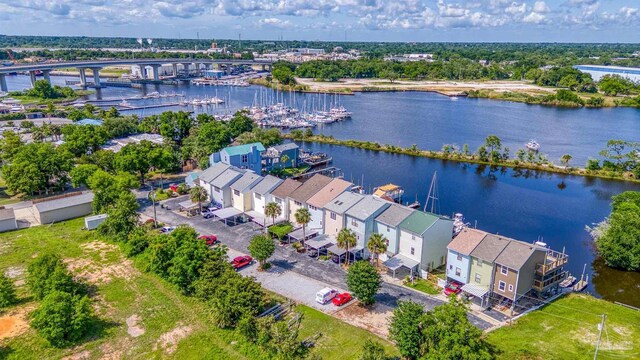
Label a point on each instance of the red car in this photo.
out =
(210, 239)
(452, 288)
(341, 299)
(241, 261)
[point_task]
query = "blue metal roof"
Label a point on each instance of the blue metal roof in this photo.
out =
(243, 149)
(95, 122)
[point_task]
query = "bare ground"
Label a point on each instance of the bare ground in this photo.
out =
(134, 329)
(96, 271)
(374, 318)
(14, 322)
(169, 340)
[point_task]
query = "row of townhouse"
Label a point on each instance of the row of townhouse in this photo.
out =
(494, 267)
(416, 240)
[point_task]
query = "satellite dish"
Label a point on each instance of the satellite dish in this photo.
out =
(149, 41)
(139, 40)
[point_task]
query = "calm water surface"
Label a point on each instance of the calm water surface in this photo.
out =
(525, 205)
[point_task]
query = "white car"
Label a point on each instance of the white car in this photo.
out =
(325, 295)
(167, 229)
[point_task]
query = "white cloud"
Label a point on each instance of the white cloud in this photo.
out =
(540, 7)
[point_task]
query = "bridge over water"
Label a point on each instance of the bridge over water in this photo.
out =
(96, 65)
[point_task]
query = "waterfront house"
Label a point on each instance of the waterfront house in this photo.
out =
(459, 254)
(515, 269)
(298, 198)
(334, 212)
(241, 196)
(360, 219)
(262, 193)
(281, 196)
(208, 175)
(248, 156)
(220, 187)
(482, 259)
(424, 238)
(280, 157)
(317, 202)
(386, 224)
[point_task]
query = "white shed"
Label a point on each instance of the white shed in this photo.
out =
(65, 208)
(7, 220)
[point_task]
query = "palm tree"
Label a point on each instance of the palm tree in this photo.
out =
(273, 210)
(565, 159)
(346, 239)
(377, 245)
(198, 194)
(303, 217)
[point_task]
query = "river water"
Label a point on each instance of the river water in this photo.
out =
(523, 205)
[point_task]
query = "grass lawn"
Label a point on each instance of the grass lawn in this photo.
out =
(141, 315)
(425, 286)
(338, 340)
(568, 329)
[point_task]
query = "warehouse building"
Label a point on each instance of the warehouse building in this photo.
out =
(65, 208)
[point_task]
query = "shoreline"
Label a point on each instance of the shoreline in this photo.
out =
(463, 158)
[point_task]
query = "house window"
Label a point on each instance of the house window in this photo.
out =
(333, 216)
(479, 263)
(458, 271)
(504, 270)
(245, 158)
(236, 192)
(502, 285)
(354, 223)
(478, 278)
(258, 196)
(388, 228)
(450, 267)
(387, 241)
(459, 257)
(217, 189)
(510, 287)
(413, 251)
(313, 207)
(297, 203)
(279, 201)
(413, 237)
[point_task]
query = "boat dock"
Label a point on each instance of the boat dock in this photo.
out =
(332, 172)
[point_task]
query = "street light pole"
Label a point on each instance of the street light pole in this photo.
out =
(152, 196)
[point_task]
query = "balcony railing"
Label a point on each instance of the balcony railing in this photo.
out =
(542, 285)
(553, 260)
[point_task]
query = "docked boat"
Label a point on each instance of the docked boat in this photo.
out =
(569, 281)
(533, 145)
(389, 191)
(7, 63)
(454, 98)
(459, 224)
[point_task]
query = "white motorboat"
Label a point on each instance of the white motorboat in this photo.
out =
(533, 145)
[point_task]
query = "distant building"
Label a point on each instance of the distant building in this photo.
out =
(88, 121)
(64, 208)
(116, 145)
(598, 71)
(247, 156)
(280, 157)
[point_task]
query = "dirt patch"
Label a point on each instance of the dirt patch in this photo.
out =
(614, 343)
(374, 318)
(169, 340)
(96, 271)
(14, 323)
(115, 350)
(83, 355)
(14, 271)
(133, 328)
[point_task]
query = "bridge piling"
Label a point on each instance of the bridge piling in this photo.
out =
(32, 76)
(96, 76)
(83, 77)
(3, 83)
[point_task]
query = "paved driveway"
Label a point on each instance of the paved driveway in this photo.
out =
(320, 272)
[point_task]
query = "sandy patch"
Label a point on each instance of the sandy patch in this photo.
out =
(14, 271)
(374, 318)
(615, 342)
(133, 327)
(115, 350)
(169, 340)
(79, 356)
(93, 272)
(14, 323)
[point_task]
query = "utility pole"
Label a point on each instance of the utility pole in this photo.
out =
(601, 327)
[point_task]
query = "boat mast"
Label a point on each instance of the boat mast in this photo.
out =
(433, 196)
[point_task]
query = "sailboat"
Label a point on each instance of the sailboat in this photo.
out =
(432, 197)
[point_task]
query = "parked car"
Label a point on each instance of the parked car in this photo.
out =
(207, 214)
(453, 287)
(167, 229)
(325, 295)
(338, 259)
(341, 299)
(174, 187)
(312, 253)
(241, 261)
(210, 239)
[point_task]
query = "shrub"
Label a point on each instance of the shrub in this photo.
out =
(7, 292)
(62, 318)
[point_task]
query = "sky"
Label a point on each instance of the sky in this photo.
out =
(352, 20)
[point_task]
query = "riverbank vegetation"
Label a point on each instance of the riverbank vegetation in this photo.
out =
(617, 238)
(42, 93)
(568, 329)
(491, 153)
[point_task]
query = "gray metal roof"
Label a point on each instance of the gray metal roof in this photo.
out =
(267, 184)
(285, 146)
(246, 181)
(6, 214)
(65, 202)
(286, 188)
(516, 254)
(213, 172)
(490, 247)
(367, 207)
(343, 202)
(310, 188)
(394, 215)
(227, 177)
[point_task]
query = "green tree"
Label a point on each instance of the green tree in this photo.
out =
(198, 195)
(187, 260)
(303, 217)
(449, 334)
(234, 298)
(261, 247)
(372, 350)
(10, 144)
(62, 318)
(81, 173)
(405, 329)
(122, 217)
(619, 240)
(346, 239)
(284, 339)
(273, 210)
(565, 159)
(37, 168)
(48, 273)
(7, 292)
(614, 85)
(240, 123)
(377, 245)
(134, 158)
(83, 139)
(107, 188)
(364, 281)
